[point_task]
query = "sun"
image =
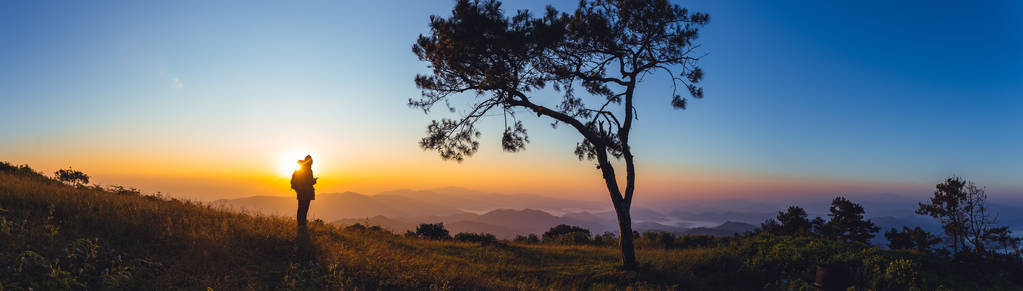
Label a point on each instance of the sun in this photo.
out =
(288, 163)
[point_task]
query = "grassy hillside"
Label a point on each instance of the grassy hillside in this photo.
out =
(58, 236)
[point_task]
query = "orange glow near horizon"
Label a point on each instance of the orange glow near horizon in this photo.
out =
(262, 165)
(235, 174)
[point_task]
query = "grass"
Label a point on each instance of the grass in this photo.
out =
(56, 236)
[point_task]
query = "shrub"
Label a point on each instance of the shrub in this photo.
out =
(700, 241)
(567, 234)
(434, 231)
(71, 176)
(121, 190)
(915, 238)
(483, 238)
(606, 239)
(531, 239)
(656, 239)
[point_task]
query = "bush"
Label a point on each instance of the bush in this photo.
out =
(567, 234)
(121, 190)
(606, 239)
(483, 238)
(434, 231)
(700, 241)
(71, 176)
(531, 239)
(656, 239)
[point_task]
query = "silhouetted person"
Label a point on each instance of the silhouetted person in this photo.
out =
(302, 181)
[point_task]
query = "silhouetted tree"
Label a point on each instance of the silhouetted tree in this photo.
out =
(435, 231)
(846, 222)
(532, 238)
(960, 206)
(1002, 238)
(819, 226)
(605, 46)
(72, 176)
(791, 222)
(980, 224)
(945, 206)
(915, 238)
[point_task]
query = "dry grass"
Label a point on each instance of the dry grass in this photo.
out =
(153, 242)
(199, 246)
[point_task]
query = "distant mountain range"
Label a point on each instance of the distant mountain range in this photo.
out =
(507, 215)
(507, 223)
(409, 203)
(463, 210)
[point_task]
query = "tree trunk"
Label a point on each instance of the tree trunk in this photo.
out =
(621, 209)
(625, 236)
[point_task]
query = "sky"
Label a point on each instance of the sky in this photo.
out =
(217, 99)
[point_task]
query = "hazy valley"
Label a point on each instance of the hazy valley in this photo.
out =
(508, 215)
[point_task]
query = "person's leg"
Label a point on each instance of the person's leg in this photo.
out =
(303, 210)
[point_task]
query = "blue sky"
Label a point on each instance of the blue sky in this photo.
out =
(881, 92)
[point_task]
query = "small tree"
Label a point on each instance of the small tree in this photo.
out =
(434, 231)
(72, 176)
(791, 222)
(945, 207)
(915, 238)
(1003, 239)
(846, 222)
(960, 206)
(605, 46)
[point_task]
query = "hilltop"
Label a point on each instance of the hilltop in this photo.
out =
(57, 236)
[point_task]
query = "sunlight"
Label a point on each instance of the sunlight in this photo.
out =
(288, 163)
